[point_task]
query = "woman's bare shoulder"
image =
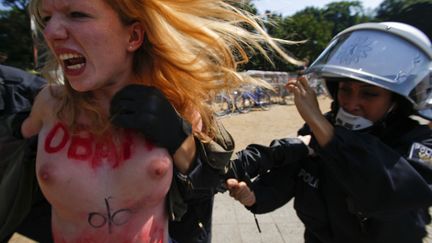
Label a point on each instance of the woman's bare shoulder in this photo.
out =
(49, 94)
(47, 101)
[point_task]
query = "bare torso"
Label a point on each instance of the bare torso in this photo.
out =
(108, 188)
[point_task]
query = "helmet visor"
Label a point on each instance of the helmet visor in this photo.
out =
(374, 57)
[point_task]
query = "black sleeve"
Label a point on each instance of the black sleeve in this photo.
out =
(276, 166)
(18, 89)
(274, 189)
(191, 195)
(258, 159)
(376, 177)
(205, 177)
(212, 162)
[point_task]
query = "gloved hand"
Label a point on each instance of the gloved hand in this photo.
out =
(147, 110)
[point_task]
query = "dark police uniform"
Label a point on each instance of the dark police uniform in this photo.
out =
(365, 187)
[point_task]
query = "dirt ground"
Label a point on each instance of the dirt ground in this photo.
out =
(261, 127)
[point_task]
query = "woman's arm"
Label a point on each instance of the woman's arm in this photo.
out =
(33, 123)
(185, 155)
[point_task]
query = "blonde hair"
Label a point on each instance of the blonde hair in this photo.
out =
(192, 49)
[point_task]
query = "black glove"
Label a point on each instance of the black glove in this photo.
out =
(147, 110)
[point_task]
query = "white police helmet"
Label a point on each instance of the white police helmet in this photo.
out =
(391, 55)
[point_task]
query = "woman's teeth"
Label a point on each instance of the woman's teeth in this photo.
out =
(72, 61)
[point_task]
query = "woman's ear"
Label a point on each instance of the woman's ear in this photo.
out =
(136, 36)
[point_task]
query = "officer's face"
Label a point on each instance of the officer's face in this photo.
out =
(365, 100)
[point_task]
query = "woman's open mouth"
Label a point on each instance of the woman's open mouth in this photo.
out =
(73, 64)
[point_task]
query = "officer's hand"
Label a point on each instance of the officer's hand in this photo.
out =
(241, 192)
(147, 110)
(305, 99)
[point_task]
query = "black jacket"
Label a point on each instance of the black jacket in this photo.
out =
(198, 187)
(19, 191)
(362, 187)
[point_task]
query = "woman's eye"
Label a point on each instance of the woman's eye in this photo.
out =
(78, 15)
(45, 19)
(343, 90)
(369, 94)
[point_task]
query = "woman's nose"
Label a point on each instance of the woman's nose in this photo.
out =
(351, 104)
(55, 30)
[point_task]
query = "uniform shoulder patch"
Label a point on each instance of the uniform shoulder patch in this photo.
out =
(421, 153)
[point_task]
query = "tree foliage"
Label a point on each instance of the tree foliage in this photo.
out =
(15, 36)
(413, 12)
(314, 25)
(310, 25)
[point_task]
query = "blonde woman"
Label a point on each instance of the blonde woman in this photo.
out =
(132, 103)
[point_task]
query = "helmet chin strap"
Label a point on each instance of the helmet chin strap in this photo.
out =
(355, 123)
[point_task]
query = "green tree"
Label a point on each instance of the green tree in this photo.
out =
(344, 14)
(319, 25)
(245, 5)
(315, 25)
(413, 12)
(15, 35)
(256, 60)
(310, 25)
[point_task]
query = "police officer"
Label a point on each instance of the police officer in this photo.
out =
(364, 173)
